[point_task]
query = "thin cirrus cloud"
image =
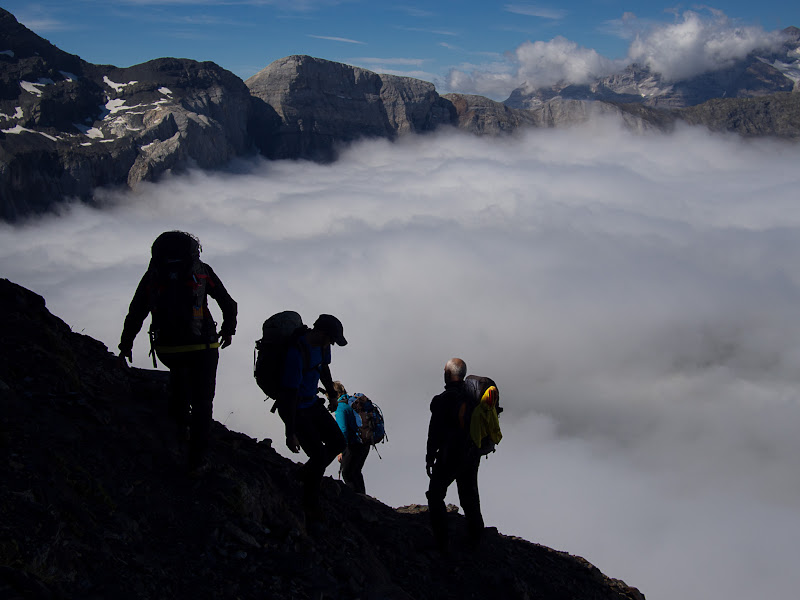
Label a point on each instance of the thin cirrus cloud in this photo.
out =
(446, 32)
(335, 39)
(533, 10)
(635, 297)
(411, 62)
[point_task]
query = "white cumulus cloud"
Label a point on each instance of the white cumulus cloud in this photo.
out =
(695, 42)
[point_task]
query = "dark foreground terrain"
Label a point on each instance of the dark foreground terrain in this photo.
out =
(94, 502)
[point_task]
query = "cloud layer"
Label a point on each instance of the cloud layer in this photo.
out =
(695, 42)
(635, 298)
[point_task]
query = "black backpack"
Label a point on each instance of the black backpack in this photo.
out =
(279, 332)
(476, 386)
(178, 292)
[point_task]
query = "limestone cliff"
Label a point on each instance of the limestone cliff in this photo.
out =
(320, 104)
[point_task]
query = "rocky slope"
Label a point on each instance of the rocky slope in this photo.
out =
(97, 504)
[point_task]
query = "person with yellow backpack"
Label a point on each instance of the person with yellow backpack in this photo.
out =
(455, 447)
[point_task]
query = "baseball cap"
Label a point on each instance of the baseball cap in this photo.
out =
(333, 327)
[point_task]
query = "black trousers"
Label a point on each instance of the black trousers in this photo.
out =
(322, 440)
(464, 471)
(353, 459)
(193, 381)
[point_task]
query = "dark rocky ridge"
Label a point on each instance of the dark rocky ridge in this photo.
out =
(68, 127)
(96, 504)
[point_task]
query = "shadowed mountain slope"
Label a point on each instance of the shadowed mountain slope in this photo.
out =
(97, 505)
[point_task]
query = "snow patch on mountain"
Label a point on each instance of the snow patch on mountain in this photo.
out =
(35, 88)
(116, 86)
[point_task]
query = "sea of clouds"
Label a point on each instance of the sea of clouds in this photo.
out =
(635, 297)
(694, 42)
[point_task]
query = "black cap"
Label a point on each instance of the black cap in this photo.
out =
(333, 327)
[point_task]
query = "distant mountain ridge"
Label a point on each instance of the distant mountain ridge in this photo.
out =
(761, 73)
(69, 127)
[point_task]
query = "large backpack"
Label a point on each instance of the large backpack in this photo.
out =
(476, 386)
(279, 332)
(369, 419)
(178, 292)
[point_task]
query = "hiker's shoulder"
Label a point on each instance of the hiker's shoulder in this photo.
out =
(449, 395)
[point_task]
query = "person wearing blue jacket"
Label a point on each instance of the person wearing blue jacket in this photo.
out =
(355, 454)
(308, 423)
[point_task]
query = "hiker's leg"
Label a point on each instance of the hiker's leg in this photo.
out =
(352, 462)
(314, 467)
(204, 382)
(179, 391)
(468, 495)
(347, 467)
(440, 480)
(329, 433)
(360, 453)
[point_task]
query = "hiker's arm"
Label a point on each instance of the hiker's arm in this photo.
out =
(287, 398)
(435, 428)
(137, 312)
(287, 410)
(227, 304)
(341, 420)
(327, 381)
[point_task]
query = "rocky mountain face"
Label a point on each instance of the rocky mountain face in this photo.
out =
(319, 104)
(480, 115)
(69, 127)
(761, 73)
(97, 504)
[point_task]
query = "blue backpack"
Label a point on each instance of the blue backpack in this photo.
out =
(369, 419)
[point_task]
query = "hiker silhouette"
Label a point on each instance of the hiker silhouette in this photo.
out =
(308, 424)
(174, 291)
(355, 455)
(451, 456)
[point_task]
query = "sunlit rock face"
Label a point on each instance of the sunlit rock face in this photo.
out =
(320, 103)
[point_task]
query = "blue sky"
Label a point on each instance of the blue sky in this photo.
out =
(467, 45)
